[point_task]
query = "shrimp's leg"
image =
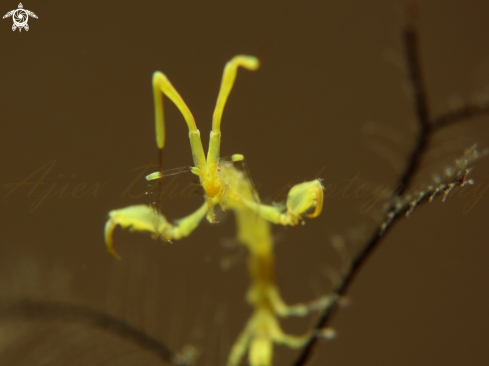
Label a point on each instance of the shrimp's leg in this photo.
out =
(301, 309)
(142, 218)
(266, 331)
(240, 347)
(291, 341)
(296, 342)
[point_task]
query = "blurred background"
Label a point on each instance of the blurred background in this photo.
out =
(330, 100)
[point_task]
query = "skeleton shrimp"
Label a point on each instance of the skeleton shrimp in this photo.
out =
(230, 188)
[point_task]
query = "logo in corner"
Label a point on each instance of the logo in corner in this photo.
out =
(20, 17)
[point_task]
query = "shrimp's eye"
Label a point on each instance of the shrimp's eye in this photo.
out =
(218, 169)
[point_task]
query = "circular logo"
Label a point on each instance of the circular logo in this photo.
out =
(20, 18)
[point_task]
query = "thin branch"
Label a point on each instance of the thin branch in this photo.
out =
(396, 208)
(404, 205)
(462, 114)
(411, 50)
(48, 310)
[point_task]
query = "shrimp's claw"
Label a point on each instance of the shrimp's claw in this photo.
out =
(305, 196)
(109, 241)
(148, 219)
(136, 218)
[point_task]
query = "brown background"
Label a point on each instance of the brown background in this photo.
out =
(76, 89)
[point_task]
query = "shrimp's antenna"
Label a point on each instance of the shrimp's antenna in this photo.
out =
(163, 85)
(229, 76)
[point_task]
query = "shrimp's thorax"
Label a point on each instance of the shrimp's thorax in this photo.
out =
(238, 187)
(253, 232)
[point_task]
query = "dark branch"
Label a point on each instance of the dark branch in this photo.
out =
(47, 310)
(466, 112)
(411, 50)
(426, 128)
(404, 206)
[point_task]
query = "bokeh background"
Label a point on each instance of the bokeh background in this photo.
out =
(331, 98)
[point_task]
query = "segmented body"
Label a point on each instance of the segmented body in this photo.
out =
(230, 188)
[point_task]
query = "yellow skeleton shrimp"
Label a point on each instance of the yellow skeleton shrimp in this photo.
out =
(229, 187)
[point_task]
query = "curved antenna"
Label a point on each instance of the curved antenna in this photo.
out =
(229, 76)
(163, 85)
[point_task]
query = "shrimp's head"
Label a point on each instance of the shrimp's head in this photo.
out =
(211, 181)
(214, 188)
